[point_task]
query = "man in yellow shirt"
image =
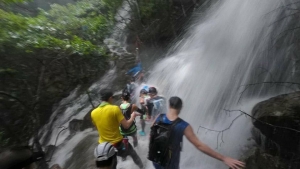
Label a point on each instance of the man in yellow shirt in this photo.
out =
(107, 119)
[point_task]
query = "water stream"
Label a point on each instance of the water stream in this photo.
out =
(221, 51)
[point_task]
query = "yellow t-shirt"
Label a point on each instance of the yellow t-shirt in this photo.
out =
(107, 120)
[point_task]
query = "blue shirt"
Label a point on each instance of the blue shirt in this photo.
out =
(176, 141)
(135, 69)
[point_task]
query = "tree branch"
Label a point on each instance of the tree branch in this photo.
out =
(17, 99)
(90, 99)
(220, 132)
(270, 83)
(274, 126)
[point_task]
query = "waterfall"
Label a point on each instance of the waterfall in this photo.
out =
(75, 106)
(117, 40)
(222, 51)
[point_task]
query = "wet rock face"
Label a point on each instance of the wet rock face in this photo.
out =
(49, 151)
(76, 125)
(261, 160)
(282, 111)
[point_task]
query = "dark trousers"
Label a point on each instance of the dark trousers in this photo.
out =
(129, 151)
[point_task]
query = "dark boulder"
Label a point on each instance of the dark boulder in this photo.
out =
(87, 121)
(49, 151)
(277, 125)
(75, 125)
(257, 159)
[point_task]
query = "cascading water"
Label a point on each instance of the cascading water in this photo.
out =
(75, 150)
(218, 55)
(206, 69)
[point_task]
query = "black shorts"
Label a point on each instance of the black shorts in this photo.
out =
(144, 110)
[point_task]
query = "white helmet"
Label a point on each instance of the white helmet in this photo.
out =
(104, 151)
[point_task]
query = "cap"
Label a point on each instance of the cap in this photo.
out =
(152, 90)
(106, 94)
(104, 151)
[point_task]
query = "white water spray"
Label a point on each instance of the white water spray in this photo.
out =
(213, 60)
(216, 56)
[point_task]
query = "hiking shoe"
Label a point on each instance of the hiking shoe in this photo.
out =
(142, 133)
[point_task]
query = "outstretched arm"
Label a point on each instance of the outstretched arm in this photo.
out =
(135, 108)
(127, 123)
(232, 163)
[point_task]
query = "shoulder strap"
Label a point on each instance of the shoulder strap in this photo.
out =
(161, 118)
(175, 122)
(131, 110)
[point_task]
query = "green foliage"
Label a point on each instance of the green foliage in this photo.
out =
(58, 29)
(12, 1)
(153, 19)
(45, 56)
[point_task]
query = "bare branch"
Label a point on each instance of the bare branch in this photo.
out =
(274, 126)
(220, 132)
(15, 98)
(90, 99)
(284, 18)
(270, 83)
(283, 7)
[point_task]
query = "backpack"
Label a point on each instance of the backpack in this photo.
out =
(160, 148)
(159, 106)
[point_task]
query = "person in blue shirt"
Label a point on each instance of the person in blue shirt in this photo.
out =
(135, 70)
(182, 128)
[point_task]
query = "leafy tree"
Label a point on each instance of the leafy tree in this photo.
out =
(46, 56)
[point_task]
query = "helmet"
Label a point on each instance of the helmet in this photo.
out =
(104, 151)
(146, 88)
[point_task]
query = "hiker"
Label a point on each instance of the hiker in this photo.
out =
(19, 157)
(130, 87)
(155, 105)
(143, 97)
(136, 72)
(127, 109)
(166, 140)
(106, 156)
(107, 119)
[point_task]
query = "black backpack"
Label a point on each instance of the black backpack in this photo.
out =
(160, 148)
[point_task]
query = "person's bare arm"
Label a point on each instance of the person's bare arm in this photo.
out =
(136, 108)
(127, 123)
(232, 163)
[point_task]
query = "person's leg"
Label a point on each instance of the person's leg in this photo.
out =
(135, 140)
(121, 151)
(135, 157)
(142, 121)
(115, 162)
(143, 124)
